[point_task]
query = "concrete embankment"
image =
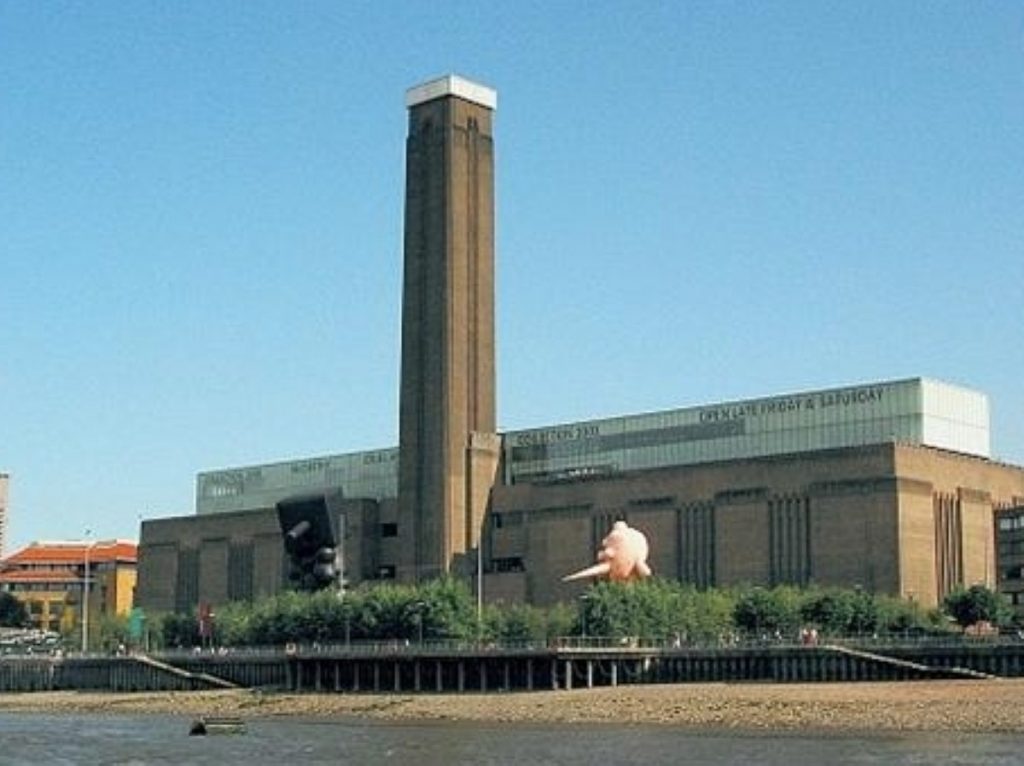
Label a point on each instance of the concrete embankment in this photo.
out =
(127, 674)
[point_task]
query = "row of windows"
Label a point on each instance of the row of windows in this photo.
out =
(509, 564)
(55, 610)
(1008, 523)
(94, 566)
(44, 587)
(223, 490)
(47, 567)
(674, 445)
(51, 625)
(1011, 547)
(360, 474)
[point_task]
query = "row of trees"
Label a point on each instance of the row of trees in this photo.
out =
(441, 609)
(654, 609)
(664, 608)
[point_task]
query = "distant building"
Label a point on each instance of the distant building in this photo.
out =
(887, 485)
(4, 482)
(49, 577)
(1010, 546)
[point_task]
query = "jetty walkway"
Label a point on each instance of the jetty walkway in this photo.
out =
(450, 666)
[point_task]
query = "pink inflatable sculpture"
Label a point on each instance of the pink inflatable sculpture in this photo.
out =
(623, 556)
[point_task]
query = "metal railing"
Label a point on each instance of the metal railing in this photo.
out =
(394, 647)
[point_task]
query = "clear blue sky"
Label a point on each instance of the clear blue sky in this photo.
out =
(201, 221)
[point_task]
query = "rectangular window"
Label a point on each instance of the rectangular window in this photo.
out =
(240, 571)
(509, 564)
(389, 529)
(386, 572)
(653, 502)
(187, 590)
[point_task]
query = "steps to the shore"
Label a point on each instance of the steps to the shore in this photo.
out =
(942, 672)
(205, 678)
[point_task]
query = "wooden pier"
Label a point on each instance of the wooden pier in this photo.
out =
(447, 668)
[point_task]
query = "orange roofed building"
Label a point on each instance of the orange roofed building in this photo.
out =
(48, 577)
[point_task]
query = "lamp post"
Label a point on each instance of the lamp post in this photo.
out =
(346, 608)
(85, 595)
(479, 585)
(419, 606)
(583, 617)
(857, 623)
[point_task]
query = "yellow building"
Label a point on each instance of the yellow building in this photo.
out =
(49, 578)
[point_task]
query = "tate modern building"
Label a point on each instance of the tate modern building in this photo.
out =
(888, 486)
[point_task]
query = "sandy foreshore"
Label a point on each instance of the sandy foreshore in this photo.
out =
(964, 706)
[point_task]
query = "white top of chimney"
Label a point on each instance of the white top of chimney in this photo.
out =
(452, 85)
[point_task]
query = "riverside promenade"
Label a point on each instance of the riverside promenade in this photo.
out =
(464, 667)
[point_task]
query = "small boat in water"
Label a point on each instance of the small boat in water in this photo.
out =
(216, 725)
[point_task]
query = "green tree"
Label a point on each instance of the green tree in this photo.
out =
(281, 619)
(643, 609)
(388, 612)
(233, 624)
(515, 623)
(438, 609)
(762, 612)
(831, 611)
(865, 617)
(974, 605)
(112, 632)
(178, 630)
(558, 621)
(13, 613)
(711, 615)
(447, 609)
(655, 609)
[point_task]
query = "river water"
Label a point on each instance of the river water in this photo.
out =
(36, 739)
